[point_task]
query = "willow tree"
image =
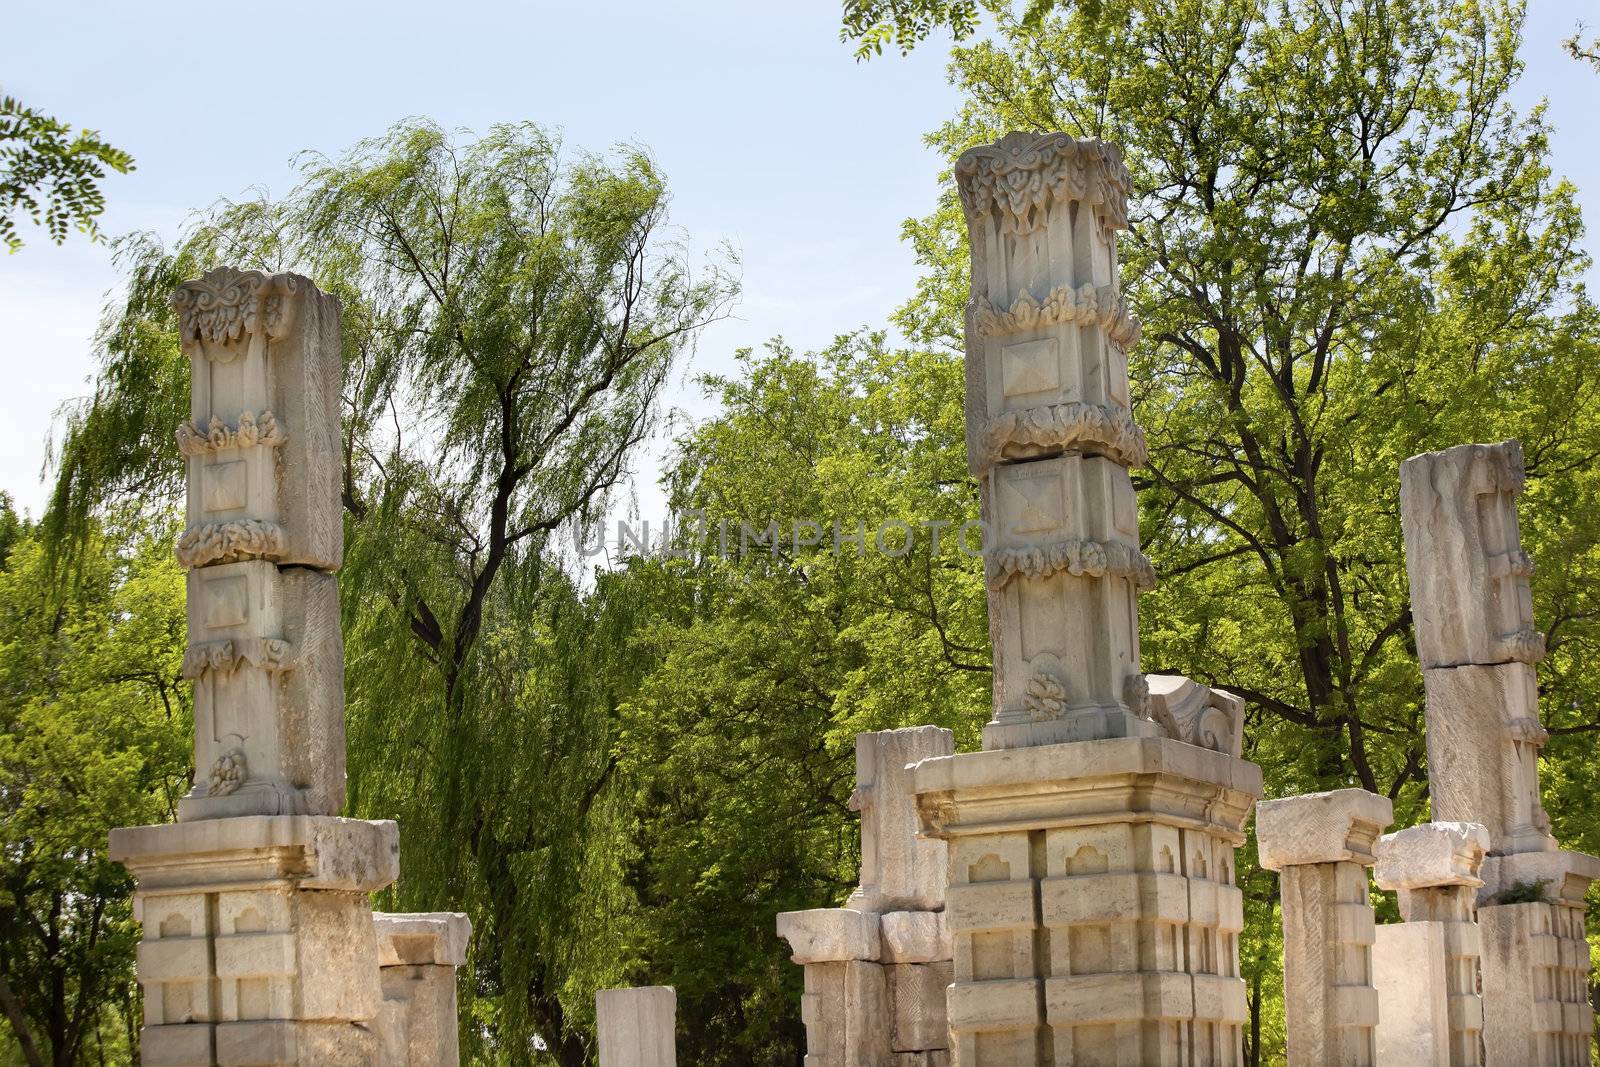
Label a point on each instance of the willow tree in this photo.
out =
(510, 317)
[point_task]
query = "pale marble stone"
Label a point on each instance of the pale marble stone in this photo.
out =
(1470, 595)
(822, 935)
(1484, 739)
(1432, 854)
(418, 954)
(637, 1027)
(1333, 827)
(263, 446)
(846, 1013)
(1190, 712)
(899, 870)
(1321, 845)
(1050, 436)
(915, 936)
(1095, 917)
(1408, 969)
(917, 1005)
(258, 938)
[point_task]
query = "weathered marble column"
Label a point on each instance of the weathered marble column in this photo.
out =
(1426, 967)
(1321, 845)
(418, 954)
(637, 1027)
(258, 943)
(1092, 899)
(1472, 601)
(876, 969)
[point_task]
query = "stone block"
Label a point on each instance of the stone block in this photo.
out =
(917, 1005)
(267, 660)
(1469, 577)
(311, 851)
(1104, 999)
(637, 1027)
(1409, 973)
(1535, 1006)
(822, 935)
(296, 1044)
(914, 936)
(1195, 714)
(1484, 739)
(992, 906)
(899, 870)
(1564, 875)
(426, 937)
(1432, 854)
(187, 1045)
(1008, 1004)
(263, 444)
(1331, 827)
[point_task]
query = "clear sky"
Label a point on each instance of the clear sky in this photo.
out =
(771, 135)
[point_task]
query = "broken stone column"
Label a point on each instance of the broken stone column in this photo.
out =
(637, 1027)
(876, 969)
(1426, 968)
(418, 954)
(1092, 901)
(1472, 602)
(258, 944)
(1321, 845)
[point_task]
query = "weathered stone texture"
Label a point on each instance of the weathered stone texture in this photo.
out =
(637, 1027)
(418, 954)
(1321, 845)
(899, 870)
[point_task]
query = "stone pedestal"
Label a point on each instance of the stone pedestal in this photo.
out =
(418, 954)
(1322, 844)
(637, 1027)
(258, 945)
(1092, 902)
(1426, 969)
(1536, 959)
(876, 969)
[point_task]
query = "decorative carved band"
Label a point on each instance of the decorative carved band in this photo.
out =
(225, 304)
(1024, 172)
(194, 440)
(1031, 432)
(224, 542)
(1092, 559)
(267, 653)
(1100, 305)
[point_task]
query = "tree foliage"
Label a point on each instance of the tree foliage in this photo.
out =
(50, 174)
(94, 733)
(509, 318)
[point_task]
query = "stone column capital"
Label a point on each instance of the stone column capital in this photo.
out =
(1333, 827)
(1430, 855)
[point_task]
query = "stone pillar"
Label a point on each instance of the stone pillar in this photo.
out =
(1472, 601)
(876, 969)
(1426, 967)
(1321, 845)
(1536, 959)
(258, 943)
(637, 1027)
(418, 954)
(1092, 899)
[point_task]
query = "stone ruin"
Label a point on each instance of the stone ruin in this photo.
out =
(260, 946)
(1089, 897)
(1065, 896)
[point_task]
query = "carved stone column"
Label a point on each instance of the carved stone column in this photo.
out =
(1321, 845)
(418, 955)
(877, 968)
(1426, 967)
(637, 1027)
(1092, 898)
(258, 943)
(1472, 601)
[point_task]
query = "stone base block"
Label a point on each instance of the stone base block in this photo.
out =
(917, 994)
(1408, 970)
(1535, 984)
(637, 1027)
(418, 955)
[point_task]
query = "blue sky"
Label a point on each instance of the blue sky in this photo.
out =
(773, 138)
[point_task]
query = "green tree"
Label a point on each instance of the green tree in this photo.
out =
(94, 733)
(1347, 248)
(509, 319)
(50, 174)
